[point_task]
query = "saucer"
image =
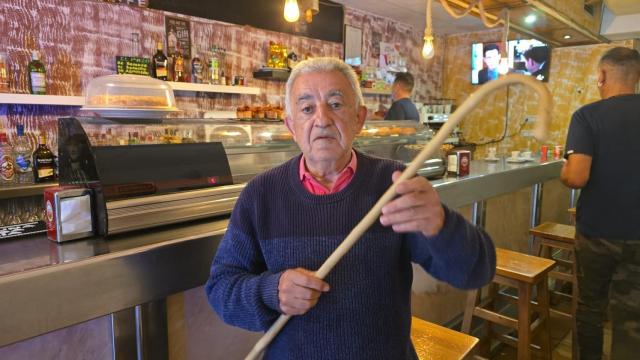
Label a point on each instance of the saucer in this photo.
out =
(491, 159)
(516, 160)
(528, 159)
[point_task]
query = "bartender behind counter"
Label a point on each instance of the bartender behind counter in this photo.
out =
(402, 107)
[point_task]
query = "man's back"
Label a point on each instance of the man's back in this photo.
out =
(608, 131)
(403, 109)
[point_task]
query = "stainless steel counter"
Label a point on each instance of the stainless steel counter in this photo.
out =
(45, 286)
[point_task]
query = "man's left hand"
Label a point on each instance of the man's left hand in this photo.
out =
(417, 208)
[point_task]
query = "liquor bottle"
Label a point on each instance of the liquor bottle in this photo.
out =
(178, 67)
(196, 68)
(159, 64)
(7, 162)
(43, 162)
(37, 75)
(23, 152)
(214, 67)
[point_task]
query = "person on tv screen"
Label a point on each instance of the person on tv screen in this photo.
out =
(491, 61)
(536, 60)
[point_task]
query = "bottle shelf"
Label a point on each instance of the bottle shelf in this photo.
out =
(370, 91)
(18, 191)
(183, 86)
(7, 98)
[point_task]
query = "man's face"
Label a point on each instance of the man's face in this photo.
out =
(492, 59)
(324, 119)
(531, 65)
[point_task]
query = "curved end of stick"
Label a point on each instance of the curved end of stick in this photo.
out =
(541, 130)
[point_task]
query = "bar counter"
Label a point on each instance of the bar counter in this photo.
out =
(46, 286)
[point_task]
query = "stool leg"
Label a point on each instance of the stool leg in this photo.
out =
(472, 300)
(543, 301)
(574, 306)
(524, 321)
(485, 346)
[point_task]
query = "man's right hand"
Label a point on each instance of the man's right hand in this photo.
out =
(299, 290)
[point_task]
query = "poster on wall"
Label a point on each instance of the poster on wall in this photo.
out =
(178, 36)
(390, 58)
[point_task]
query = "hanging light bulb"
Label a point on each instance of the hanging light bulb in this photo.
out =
(291, 10)
(427, 49)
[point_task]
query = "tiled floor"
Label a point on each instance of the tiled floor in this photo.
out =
(561, 340)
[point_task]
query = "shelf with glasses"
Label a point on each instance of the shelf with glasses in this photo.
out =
(372, 91)
(18, 191)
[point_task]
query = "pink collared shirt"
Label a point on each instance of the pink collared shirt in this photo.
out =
(316, 188)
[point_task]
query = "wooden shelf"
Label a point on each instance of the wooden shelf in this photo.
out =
(370, 91)
(7, 98)
(182, 86)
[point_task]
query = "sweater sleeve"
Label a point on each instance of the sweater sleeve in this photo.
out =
(239, 288)
(461, 254)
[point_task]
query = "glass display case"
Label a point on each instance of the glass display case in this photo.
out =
(251, 146)
(152, 171)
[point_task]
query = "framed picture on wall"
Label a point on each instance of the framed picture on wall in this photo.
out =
(352, 45)
(178, 36)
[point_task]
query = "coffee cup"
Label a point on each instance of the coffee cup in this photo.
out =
(515, 154)
(526, 154)
(491, 153)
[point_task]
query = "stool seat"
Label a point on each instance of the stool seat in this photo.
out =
(554, 231)
(522, 267)
(435, 342)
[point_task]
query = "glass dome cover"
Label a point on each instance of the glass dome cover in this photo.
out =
(129, 92)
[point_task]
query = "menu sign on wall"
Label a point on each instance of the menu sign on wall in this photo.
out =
(132, 65)
(178, 36)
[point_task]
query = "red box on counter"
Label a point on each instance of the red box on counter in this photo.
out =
(459, 162)
(68, 212)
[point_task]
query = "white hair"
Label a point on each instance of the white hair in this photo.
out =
(323, 64)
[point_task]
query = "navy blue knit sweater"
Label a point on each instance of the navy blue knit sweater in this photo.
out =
(277, 225)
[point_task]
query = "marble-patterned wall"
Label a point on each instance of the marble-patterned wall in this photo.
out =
(427, 73)
(572, 82)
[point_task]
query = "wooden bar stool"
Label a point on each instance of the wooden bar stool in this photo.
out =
(434, 342)
(522, 272)
(552, 237)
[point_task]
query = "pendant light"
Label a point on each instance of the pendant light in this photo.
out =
(428, 50)
(291, 10)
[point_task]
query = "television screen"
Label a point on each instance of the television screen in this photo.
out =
(490, 60)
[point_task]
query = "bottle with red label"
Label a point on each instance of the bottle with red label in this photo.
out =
(7, 162)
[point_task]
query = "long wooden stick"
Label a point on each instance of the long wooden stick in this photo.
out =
(544, 118)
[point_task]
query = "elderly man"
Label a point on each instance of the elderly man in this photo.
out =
(602, 148)
(289, 219)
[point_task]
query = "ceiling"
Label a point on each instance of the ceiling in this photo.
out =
(550, 28)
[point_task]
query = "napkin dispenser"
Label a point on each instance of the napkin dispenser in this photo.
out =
(68, 213)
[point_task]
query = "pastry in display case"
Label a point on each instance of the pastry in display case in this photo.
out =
(129, 96)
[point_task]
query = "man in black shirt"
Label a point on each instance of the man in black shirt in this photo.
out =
(602, 151)
(402, 107)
